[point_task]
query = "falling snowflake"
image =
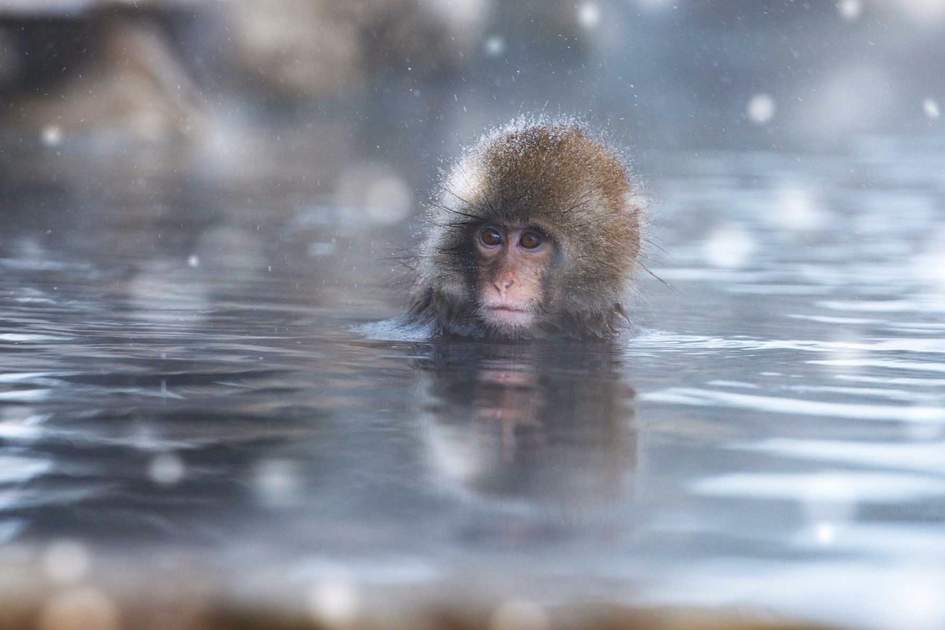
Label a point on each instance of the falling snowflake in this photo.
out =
(277, 482)
(825, 533)
(66, 561)
(166, 469)
(588, 15)
(931, 109)
(850, 9)
(375, 192)
(52, 135)
(761, 108)
(728, 246)
(494, 46)
(334, 601)
(797, 210)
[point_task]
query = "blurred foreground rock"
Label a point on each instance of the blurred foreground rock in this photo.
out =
(89, 610)
(175, 593)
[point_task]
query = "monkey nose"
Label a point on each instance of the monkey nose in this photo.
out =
(503, 284)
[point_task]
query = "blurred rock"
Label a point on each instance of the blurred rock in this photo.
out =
(118, 79)
(313, 48)
(294, 48)
(129, 71)
(169, 606)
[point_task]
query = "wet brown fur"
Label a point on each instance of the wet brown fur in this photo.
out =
(554, 176)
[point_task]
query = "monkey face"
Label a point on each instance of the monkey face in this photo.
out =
(513, 261)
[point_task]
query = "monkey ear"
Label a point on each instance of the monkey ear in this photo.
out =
(618, 307)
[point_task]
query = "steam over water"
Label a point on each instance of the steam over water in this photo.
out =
(190, 369)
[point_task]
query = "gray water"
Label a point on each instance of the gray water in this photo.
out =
(190, 368)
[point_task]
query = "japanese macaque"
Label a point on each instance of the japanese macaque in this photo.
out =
(536, 233)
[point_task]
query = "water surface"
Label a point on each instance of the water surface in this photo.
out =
(185, 370)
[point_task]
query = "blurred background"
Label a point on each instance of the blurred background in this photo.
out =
(203, 203)
(356, 106)
(304, 88)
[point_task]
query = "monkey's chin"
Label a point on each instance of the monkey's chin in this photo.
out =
(507, 320)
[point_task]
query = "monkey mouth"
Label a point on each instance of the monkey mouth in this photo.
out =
(506, 315)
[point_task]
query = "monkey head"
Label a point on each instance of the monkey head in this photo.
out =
(535, 233)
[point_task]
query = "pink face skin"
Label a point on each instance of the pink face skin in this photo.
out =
(513, 260)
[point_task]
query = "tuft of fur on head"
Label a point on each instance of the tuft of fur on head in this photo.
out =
(552, 174)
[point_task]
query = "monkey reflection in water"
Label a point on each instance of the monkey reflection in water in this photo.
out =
(546, 422)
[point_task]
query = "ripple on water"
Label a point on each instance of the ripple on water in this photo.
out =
(929, 304)
(18, 469)
(924, 456)
(794, 406)
(885, 364)
(824, 485)
(31, 338)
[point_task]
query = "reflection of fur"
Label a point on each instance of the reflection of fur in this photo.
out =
(554, 176)
(536, 421)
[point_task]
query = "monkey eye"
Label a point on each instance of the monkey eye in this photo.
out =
(490, 236)
(531, 239)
